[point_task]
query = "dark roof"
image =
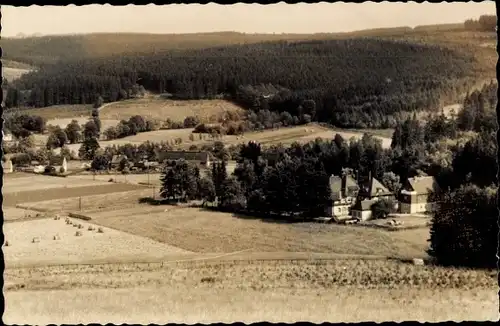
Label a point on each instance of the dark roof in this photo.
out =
(118, 158)
(185, 155)
(363, 205)
(423, 185)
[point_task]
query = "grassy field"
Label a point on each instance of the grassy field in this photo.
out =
(34, 182)
(12, 74)
(77, 111)
(285, 136)
(97, 202)
(63, 122)
(40, 193)
(154, 178)
(275, 291)
(161, 109)
(206, 231)
(71, 248)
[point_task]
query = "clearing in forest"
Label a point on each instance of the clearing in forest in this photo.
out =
(154, 107)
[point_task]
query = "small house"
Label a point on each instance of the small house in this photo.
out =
(7, 137)
(343, 192)
(116, 160)
(203, 159)
(415, 195)
(7, 166)
(362, 210)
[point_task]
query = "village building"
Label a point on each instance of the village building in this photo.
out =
(362, 210)
(7, 166)
(415, 195)
(116, 160)
(202, 159)
(343, 192)
(7, 137)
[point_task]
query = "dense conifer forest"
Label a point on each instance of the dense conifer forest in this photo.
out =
(349, 83)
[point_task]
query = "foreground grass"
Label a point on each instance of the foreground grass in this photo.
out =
(337, 291)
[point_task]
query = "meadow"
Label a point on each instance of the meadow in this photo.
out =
(206, 231)
(153, 107)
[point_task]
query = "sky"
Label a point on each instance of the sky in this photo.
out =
(248, 18)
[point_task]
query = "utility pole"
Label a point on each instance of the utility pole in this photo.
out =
(80, 203)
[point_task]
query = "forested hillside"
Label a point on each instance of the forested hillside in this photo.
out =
(358, 79)
(350, 83)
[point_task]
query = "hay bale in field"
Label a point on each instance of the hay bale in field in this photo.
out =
(418, 261)
(35, 240)
(56, 237)
(6, 243)
(78, 233)
(80, 226)
(100, 230)
(91, 228)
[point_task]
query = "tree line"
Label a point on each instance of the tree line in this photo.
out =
(487, 23)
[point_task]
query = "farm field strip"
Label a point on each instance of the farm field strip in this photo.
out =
(41, 182)
(154, 178)
(206, 231)
(33, 196)
(91, 245)
(94, 202)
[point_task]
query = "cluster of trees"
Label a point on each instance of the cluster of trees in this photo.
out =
(132, 126)
(479, 110)
(332, 74)
(285, 182)
(486, 23)
(23, 125)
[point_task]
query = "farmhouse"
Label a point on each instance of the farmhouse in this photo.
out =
(116, 159)
(362, 210)
(343, 195)
(204, 159)
(7, 166)
(7, 137)
(414, 196)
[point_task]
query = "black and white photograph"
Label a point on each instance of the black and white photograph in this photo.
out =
(188, 163)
